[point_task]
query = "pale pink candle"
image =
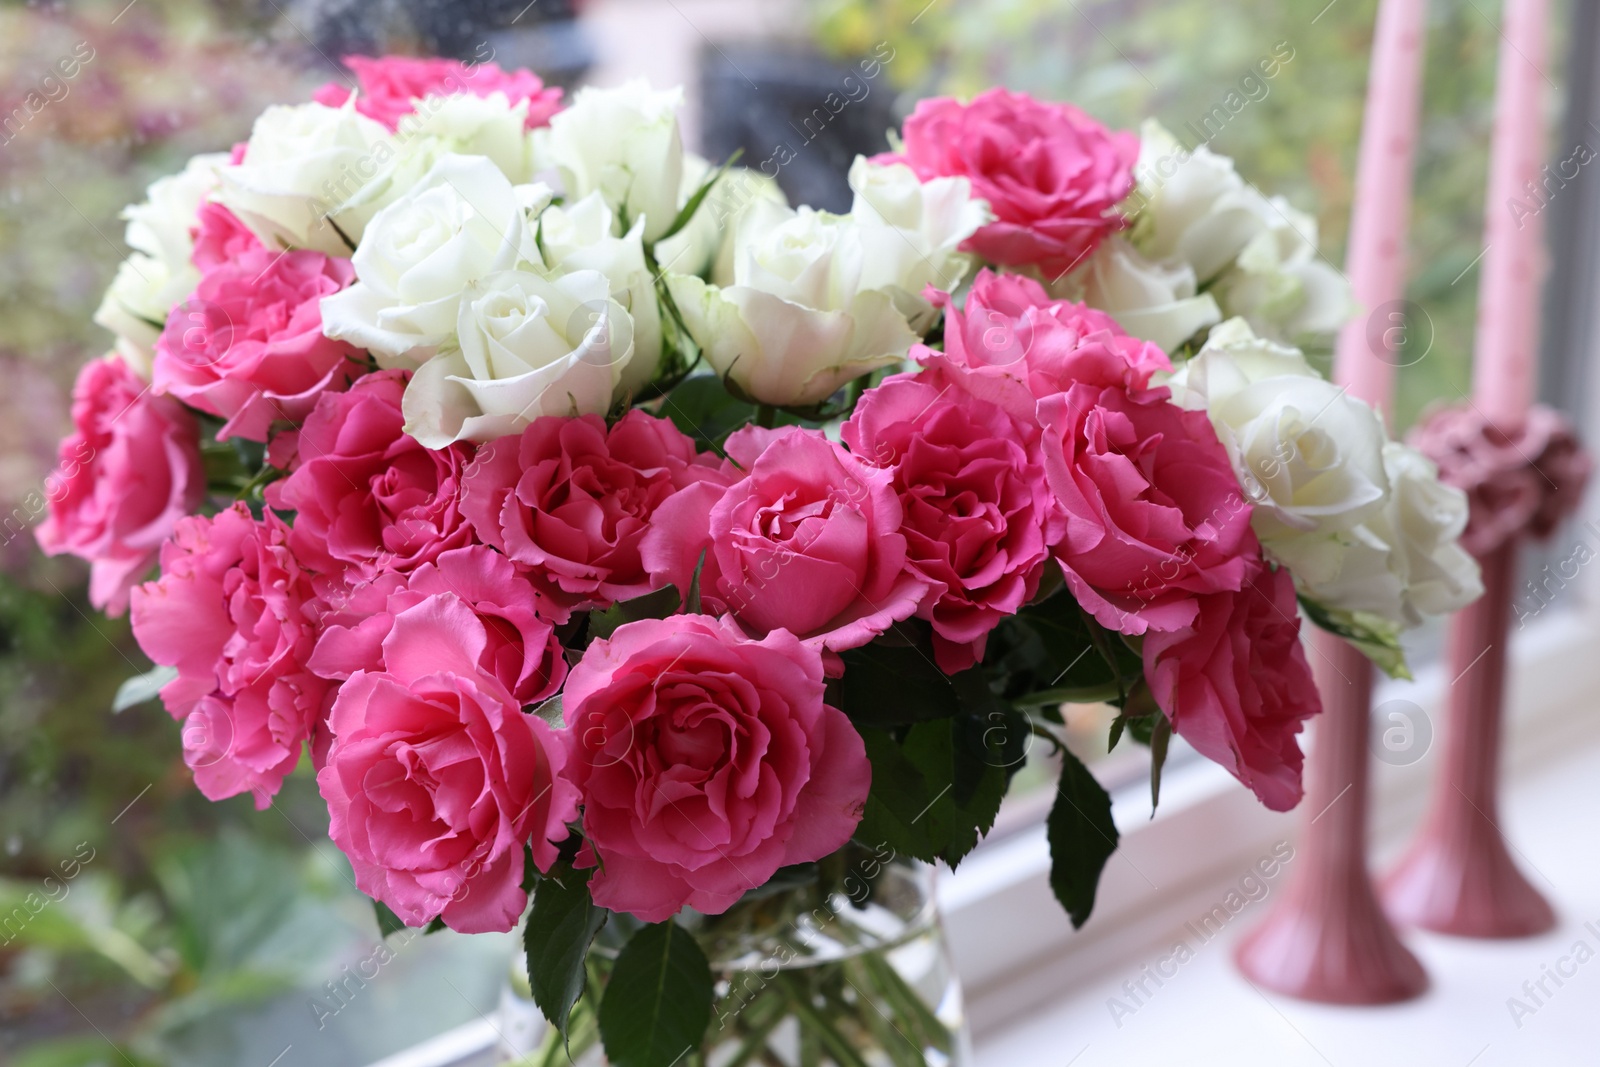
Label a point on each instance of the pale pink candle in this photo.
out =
(1377, 340)
(1505, 357)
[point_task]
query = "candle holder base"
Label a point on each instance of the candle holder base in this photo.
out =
(1331, 947)
(1466, 884)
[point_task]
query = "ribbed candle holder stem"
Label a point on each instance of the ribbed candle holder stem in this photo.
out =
(1328, 939)
(1458, 876)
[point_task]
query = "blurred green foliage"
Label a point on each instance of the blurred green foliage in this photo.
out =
(126, 898)
(126, 895)
(1124, 60)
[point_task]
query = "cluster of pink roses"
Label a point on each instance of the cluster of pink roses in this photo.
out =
(422, 604)
(1037, 432)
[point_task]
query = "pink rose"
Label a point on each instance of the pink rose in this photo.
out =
(570, 500)
(1237, 686)
(978, 514)
(220, 238)
(520, 648)
(248, 344)
(435, 779)
(234, 612)
(1052, 175)
(1154, 513)
(706, 761)
(127, 473)
(1012, 344)
(808, 541)
(367, 496)
(391, 85)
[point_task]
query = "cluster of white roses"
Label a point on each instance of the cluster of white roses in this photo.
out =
(1205, 245)
(1362, 522)
(517, 272)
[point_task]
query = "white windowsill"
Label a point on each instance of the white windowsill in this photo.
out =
(1035, 987)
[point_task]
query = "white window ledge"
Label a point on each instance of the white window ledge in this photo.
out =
(1039, 993)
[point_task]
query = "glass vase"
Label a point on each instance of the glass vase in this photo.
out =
(845, 964)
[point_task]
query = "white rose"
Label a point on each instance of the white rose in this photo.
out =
(530, 346)
(461, 223)
(297, 168)
(1309, 456)
(1280, 285)
(624, 142)
(796, 324)
(1405, 562)
(161, 226)
(460, 124)
(1232, 358)
(751, 188)
(705, 244)
(1351, 575)
(1192, 206)
(1424, 521)
(912, 231)
(579, 237)
(1153, 301)
(136, 304)
(159, 275)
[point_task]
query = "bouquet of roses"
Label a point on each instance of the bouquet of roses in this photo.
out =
(603, 529)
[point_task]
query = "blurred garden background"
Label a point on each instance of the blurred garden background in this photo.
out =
(196, 933)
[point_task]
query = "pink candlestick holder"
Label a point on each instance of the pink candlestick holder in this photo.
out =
(1328, 939)
(1458, 876)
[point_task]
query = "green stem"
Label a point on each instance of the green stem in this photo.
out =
(809, 1017)
(766, 416)
(890, 1035)
(810, 1049)
(262, 478)
(758, 1032)
(906, 1002)
(853, 391)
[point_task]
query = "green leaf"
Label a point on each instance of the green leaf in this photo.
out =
(702, 408)
(388, 921)
(1160, 737)
(556, 941)
(1374, 636)
(142, 687)
(1082, 838)
(691, 603)
(1051, 649)
(895, 685)
(1117, 726)
(656, 605)
(657, 1004)
(991, 736)
(937, 786)
(692, 205)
